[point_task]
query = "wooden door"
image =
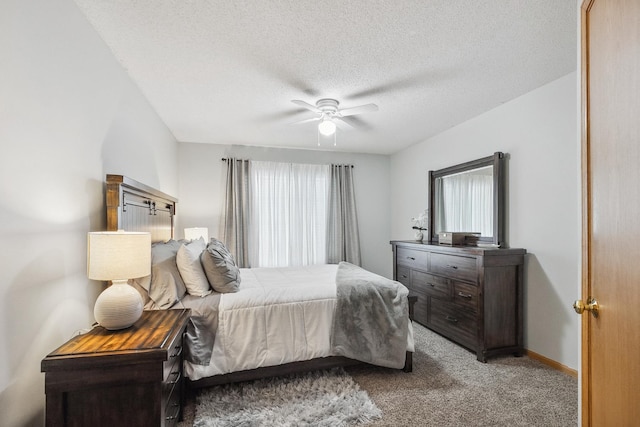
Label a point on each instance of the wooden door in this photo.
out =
(611, 212)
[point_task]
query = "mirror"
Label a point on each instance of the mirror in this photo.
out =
(469, 197)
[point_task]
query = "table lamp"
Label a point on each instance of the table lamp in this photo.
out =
(117, 256)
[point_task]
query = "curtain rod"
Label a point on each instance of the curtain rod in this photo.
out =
(226, 159)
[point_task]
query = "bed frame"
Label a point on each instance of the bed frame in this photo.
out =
(133, 206)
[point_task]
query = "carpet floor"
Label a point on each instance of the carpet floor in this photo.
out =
(449, 387)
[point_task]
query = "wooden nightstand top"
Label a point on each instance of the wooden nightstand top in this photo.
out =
(148, 338)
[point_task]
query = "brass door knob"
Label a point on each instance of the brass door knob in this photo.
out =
(592, 305)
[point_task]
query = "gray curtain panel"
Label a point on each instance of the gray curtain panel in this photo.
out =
(343, 241)
(237, 210)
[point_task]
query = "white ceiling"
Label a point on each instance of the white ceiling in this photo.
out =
(226, 71)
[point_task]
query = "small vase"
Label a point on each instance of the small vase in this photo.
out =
(418, 236)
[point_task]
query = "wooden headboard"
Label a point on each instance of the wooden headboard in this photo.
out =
(132, 206)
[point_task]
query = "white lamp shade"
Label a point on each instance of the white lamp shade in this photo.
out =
(196, 232)
(118, 256)
(113, 255)
(327, 127)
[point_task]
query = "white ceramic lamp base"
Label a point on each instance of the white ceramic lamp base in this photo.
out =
(118, 306)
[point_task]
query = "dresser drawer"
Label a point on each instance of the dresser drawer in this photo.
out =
(173, 381)
(173, 363)
(420, 308)
(431, 285)
(403, 275)
(454, 322)
(172, 407)
(174, 377)
(465, 295)
(456, 267)
(412, 258)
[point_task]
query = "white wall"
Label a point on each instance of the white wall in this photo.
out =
(202, 178)
(68, 116)
(539, 132)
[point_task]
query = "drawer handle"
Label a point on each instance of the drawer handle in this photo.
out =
(404, 276)
(178, 375)
(452, 319)
(178, 353)
(411, 258)
(431, 284)
(175, 415)
(455, 267)
(463, 295)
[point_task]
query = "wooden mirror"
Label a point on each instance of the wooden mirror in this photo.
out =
(469, 197)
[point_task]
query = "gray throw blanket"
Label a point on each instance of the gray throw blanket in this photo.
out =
(371, 318)
(202, 327)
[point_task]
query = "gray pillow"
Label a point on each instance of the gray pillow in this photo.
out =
(166, 286)
(220, 268)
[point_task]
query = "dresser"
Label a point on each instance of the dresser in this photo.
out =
(471, 295)
(129, 377)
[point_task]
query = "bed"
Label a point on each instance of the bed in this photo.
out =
(278, 321)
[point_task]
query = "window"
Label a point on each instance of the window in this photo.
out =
(289, 204)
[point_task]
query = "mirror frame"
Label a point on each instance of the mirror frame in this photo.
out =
(499, 180)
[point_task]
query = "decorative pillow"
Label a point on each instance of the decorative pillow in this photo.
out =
(190, 267)
(166, 286)
(220, 268)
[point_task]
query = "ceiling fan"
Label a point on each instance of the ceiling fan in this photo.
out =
(329, 115)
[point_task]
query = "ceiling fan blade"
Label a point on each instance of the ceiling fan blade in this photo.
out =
(315, 119)
(342, 124)
(359, 110)
(354, 122)
(419, 79)
(306, 105)
(277, 116)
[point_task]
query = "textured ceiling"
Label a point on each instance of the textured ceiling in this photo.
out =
(226, 71)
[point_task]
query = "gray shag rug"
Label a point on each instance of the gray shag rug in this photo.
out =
(321, 398)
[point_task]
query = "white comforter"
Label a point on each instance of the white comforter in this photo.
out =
(279, 315)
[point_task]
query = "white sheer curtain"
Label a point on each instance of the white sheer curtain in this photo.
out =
(289, 215)
(468, 203)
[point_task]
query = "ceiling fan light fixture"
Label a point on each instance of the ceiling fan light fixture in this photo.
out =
(327, 127)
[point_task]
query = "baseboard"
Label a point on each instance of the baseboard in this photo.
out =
(552, 363)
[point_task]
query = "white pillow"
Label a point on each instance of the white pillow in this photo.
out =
(188, 260)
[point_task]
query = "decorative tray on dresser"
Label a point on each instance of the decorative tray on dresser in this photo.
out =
(129, 377)
(471, 295)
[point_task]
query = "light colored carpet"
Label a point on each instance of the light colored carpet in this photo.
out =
(449, 387)
(323, 398)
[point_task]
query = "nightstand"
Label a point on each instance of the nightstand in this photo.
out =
(129, 377)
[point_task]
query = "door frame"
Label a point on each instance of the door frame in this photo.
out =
(585, 391)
